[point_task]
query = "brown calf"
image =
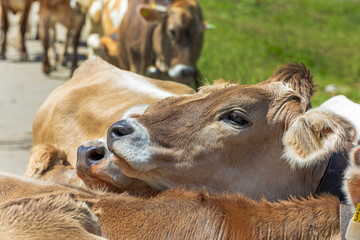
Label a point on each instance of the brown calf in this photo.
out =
(261, 140)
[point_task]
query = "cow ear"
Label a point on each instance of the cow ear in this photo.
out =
(297, 77)
(315, 136)
(351, 185)
(152, 13)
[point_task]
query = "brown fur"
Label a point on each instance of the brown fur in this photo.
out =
(179, 214)
(193, 141)
(48, 217)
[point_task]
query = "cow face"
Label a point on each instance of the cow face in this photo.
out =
(177, 38)
(259, 139)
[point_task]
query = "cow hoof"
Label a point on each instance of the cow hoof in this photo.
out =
(47, 69)
(24, 57)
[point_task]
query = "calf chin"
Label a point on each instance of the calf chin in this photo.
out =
(315, 136)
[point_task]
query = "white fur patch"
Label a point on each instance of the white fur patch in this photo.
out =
(345, 108)
(137, 83)
(93, 41)
(95, 7)
(117, 15)
(138, 110)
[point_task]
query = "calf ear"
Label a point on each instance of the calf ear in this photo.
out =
(352, 178)
(43, 158)
(152, 13)
(315, 136)
(296, 77)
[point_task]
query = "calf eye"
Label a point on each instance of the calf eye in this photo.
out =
(236, 118)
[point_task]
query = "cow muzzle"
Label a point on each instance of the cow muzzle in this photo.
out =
(182, 71)
(130, 141)
(95, 168)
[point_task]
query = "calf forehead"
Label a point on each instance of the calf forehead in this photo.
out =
(178, 119)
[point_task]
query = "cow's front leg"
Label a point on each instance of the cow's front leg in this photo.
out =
(44, 35)
(76, 40)
(23, 25)
(5, 27)
(64, 55)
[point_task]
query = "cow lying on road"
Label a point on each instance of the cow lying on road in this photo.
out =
(85, 107)
(179, 214)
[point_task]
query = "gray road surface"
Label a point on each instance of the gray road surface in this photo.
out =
(23, 88)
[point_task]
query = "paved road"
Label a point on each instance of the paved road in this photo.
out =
(23, 88)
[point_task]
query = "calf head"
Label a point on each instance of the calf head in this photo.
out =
(247, 139)
(177, 38)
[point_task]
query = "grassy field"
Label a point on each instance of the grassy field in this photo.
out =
(251, 40)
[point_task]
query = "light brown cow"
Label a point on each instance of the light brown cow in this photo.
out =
(71, 17)
(85, 107)
(14, 6)
(169, 36)
(158, 38)
(179, 214)
(260, 140)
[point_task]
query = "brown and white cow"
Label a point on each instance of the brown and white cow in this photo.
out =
(158, 38)
(83, 109)
(14, 6)
(180, 214)
(72, 17)
(262, 140)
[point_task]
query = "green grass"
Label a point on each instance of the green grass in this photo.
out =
(251, 40)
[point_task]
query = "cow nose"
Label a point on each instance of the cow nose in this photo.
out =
(91, 154)
(188, 72)
(120, 129)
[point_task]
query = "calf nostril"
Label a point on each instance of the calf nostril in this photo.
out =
(121, 128)
(188, 72)
(96, 154)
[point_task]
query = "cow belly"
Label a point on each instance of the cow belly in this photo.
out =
(345, 108)
(16, 5)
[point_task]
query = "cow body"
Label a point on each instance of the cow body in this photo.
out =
(180, 214)
(15, 6)
(84, 107)
(161, 39)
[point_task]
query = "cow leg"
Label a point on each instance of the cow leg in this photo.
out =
(76, 40)
(5, 27)
(23, 25)
(45, 18)
(64, 56)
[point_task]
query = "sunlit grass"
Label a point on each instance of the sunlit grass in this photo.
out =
(250, 41)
